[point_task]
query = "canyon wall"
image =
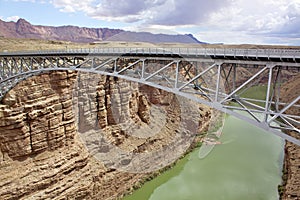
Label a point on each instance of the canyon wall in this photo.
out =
(290, 91)
(60, 133)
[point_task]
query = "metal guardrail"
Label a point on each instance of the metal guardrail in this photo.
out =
(232, 52)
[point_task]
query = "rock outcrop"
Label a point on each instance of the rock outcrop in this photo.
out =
(38, 115)
(56, 129)
(292, 165)
(131, 124)
(290, 91)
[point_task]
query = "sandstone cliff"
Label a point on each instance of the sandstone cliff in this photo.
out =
(56, 129)
(290, 91)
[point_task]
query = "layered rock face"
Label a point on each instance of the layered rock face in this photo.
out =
(290, 91)
(292, 164)
(37, 115)
(132, 125)
(79, 136)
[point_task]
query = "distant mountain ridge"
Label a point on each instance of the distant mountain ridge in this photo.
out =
(128, 36)
(24, 29)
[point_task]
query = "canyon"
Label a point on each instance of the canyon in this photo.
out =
(56, 127)
(52, 125)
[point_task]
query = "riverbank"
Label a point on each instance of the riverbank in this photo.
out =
(211, 129)
(230, 171)
(212, 137)
(160, 176)
(168, 171)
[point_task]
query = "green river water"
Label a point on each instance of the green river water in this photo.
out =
(246, 166)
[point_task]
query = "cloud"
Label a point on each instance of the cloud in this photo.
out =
(155, 12)
(12, 18)
(25, 1)
(188, 12)
(291, 21)
(73, 5)
(269, 21)
(256, 18)
(156, 29)
(121, 8)
(255, 15)
(112, 10)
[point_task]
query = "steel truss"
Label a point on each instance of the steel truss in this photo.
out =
(219, 82)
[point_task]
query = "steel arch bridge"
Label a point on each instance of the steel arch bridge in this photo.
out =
(218, 78)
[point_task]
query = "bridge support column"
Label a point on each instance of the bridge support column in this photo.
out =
(267, 105)
(143, 69)
(218, 82)
(177, 75)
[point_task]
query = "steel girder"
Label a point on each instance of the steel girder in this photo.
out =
(220, 83)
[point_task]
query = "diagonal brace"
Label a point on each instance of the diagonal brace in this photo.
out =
(244, 84)
(155, 73)
(284, 109)
(99, 66)
(196, 77)
(124, 69)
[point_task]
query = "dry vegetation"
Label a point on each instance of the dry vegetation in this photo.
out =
(8, 44)
(12, 44)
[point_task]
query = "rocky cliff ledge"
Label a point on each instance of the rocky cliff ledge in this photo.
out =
(292, 170)
(290, 91)
(56, 129)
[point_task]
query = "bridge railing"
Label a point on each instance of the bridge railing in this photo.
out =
(267, 53)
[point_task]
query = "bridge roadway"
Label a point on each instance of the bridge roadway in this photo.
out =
(228, 53)
(215, 77)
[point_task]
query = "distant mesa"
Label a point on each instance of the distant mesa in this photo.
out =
(128, 36)
(24, 29)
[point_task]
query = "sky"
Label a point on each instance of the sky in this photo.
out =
(212, 21)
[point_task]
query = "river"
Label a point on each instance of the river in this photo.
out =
(247, 165)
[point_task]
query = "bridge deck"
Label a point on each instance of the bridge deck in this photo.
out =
(287, 55)
(205, 75)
